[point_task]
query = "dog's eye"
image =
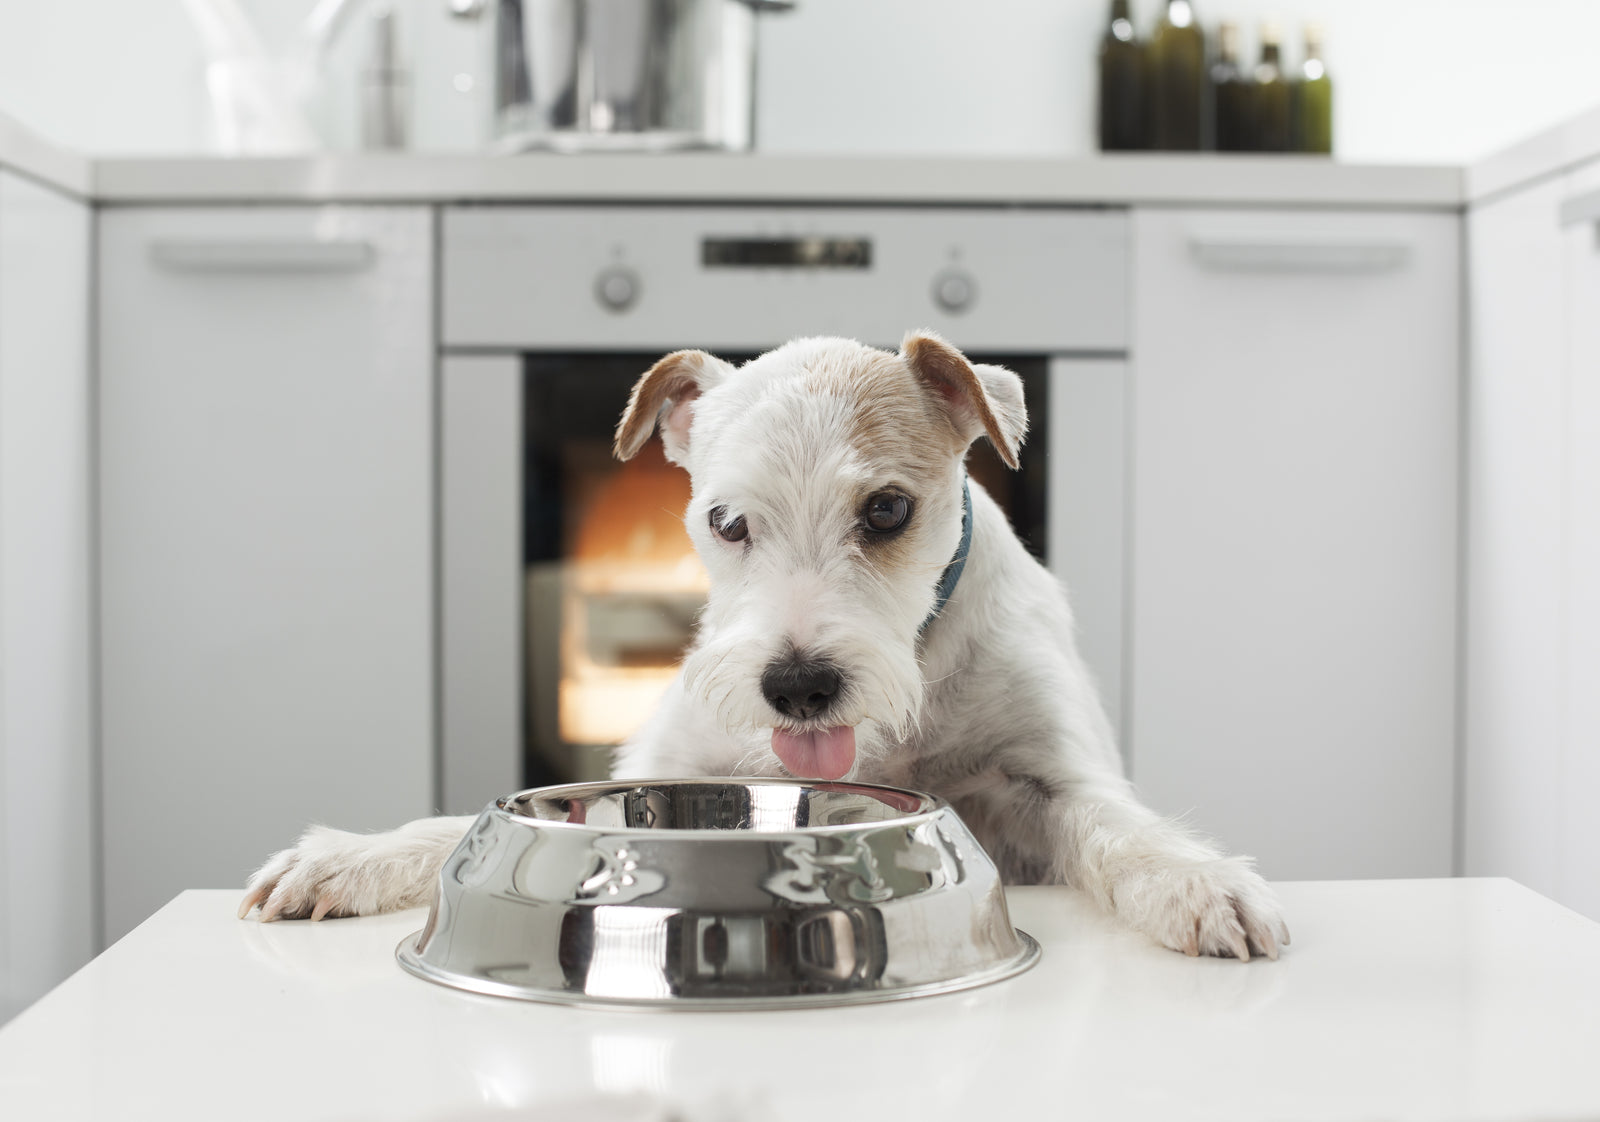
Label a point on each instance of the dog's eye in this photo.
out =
(886, 512)
(728, 529)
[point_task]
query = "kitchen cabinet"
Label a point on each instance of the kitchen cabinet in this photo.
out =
(481, 577)
(1533, 548)
(1579, 880)
(47, 814)
(267, 535)
(1293, 567)
(1514, 607)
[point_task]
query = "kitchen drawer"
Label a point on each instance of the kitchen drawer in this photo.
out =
(1022, 281)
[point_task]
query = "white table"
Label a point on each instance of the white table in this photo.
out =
(1399, 999)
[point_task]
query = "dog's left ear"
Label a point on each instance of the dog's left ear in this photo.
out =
(980, 400)
(665, 397)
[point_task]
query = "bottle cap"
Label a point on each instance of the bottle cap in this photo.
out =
(1228, 39)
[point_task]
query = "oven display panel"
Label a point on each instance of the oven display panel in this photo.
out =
(786, 253)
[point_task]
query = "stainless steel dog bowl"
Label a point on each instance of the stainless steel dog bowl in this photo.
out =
(712, 894)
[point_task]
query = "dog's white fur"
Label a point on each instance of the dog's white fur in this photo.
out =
(989, 705)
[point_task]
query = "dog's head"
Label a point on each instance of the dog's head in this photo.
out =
(827, 501)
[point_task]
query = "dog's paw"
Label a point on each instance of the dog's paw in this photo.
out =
(324, 873)
(337, 873)
(1219, 907)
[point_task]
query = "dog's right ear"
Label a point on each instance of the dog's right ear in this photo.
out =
(664, 398)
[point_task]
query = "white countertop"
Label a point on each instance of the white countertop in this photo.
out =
(27, 153)
(1562, 148)
(1449, 999)
(1117, 180)
(1108, 180)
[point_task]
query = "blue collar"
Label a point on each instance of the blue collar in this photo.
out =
(952, 571)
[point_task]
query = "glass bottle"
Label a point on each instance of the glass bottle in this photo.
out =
(1314, 98)
(1273, 118)
(1122, 110)
(1230, 94)
(1177, 79)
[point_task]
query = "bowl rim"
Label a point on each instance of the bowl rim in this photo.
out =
(929, 807)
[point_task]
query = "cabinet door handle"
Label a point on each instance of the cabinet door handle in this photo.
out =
(1583, 208)
(1259, 254)
(274, 255)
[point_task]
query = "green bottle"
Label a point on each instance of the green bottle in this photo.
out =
(1274, 121)
(1231, 94)
(1314, 98)
(1122, 115)
(1177, 79)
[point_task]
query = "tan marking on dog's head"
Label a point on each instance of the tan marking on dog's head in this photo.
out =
(664, 397)
(983, 400)
(900, 432)
(890, 412)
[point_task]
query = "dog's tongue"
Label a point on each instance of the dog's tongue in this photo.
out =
(824, 754)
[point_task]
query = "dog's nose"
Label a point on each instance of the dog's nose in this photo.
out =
(800, 687)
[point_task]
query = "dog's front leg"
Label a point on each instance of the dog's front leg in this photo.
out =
(336, 873)
(1166, 882)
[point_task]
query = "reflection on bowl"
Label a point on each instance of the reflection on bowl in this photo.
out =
(713, 893)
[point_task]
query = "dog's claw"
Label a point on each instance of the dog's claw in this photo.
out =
(270, 910)
(1264, 943)
(1239, 945)
(251, 900)
(324, 903)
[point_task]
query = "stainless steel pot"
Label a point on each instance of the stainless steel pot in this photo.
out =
(627, 75)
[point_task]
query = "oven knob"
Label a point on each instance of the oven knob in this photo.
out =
(954, 290)
(617, 288)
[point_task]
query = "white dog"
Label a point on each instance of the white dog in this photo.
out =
(873, 616)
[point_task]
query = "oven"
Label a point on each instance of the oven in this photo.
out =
(567, 585)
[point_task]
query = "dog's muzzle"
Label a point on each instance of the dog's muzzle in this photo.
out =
(801, 688)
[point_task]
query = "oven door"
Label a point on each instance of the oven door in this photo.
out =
(568, 588)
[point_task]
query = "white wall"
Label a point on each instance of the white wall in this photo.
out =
(1416, 80)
